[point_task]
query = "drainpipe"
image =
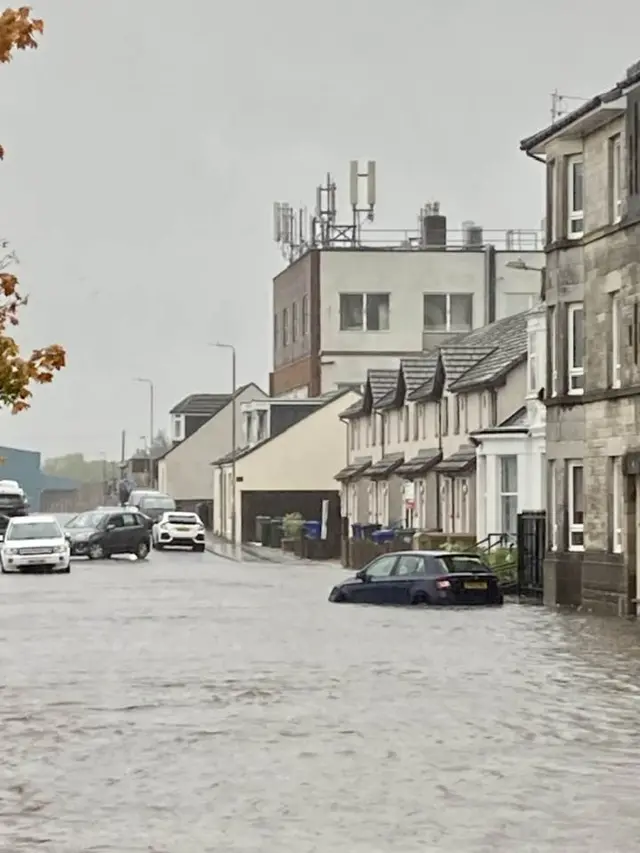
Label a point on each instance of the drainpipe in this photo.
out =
(345, 514)
(439, 480)
(383, 438)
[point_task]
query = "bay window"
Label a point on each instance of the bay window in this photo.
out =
(575, 197)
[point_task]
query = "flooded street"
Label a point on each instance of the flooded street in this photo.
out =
(193, 704)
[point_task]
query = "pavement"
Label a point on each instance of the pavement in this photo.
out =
(253, 552)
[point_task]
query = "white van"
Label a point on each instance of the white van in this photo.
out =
(35, 542)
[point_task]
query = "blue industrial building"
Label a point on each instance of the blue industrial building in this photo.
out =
(25, 466)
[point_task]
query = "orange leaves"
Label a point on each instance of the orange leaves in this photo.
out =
(18, 30)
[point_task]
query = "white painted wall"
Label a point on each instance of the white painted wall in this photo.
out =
(305, 457)
(186, 472)
(530, 453)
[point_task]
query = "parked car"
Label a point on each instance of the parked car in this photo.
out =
(183, 529)
(151, 504)
(35, 542)
(422, 578)
(106, 531)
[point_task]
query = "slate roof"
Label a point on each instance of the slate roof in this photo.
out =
(355, 469)
(380, 382)
(502, 346)
(201, 404)
(459, 462)
(385, 466)
(518, 422)
(632, 77)
(421, 463)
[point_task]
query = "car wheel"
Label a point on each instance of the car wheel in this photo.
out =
(96, 551)
(66, 570)
(158, 546)
(142, 550)
(199, 548)
(420, 599)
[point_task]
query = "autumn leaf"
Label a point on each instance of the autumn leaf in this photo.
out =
(18, 30)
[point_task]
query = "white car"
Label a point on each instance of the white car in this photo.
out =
(35, 542)
(178, 528)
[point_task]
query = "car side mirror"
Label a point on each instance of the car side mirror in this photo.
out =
(362, 575)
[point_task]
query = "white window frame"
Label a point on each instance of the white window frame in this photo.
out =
(416, 421)
(574, 373)
(617, 505)
(553, 349)
(616, 335)
(553, 506)
(364, 297)
(574, 217)
(501, 494)
(575, 529)
(178, 427)
(616, 178)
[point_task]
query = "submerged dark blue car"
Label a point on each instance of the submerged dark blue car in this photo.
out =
(422, 578)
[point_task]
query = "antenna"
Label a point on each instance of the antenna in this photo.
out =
(290, 229)
(355, 175)
(559, 106)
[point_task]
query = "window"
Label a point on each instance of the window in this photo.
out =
(616, 329)
(405, 412)
(130, 520)
(617, 505)
(444, 416)
(633, 148)
(615, 179)
(178, 427)
(533, 364)
(553, 351)
(423, 419)
(509, 494)
(575, 359)
(465, 413)
(553, 507)
(382, 567)
(575, 197)
(456, 416)
(408, 564)
(416, 421)
(304, 330)
(285, 327)
(364, 312)
(448, 312)
(492, 404)
(294, 322)
(551, 201)
(575, 488)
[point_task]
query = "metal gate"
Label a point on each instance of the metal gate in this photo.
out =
(532, 545)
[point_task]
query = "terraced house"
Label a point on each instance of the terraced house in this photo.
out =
(411, 440)
(592, 160)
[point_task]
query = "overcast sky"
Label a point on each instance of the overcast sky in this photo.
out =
(147, 140)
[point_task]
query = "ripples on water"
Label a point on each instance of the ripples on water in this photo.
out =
(187, 706)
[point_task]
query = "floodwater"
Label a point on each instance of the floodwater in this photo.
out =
(190, 704)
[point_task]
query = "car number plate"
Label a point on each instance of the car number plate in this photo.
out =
(183, 529)
(475, 585)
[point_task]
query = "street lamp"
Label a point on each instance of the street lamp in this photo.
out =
(232, 348)
(519, 264)
(149, 382)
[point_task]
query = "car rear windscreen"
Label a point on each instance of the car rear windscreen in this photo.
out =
(186, 518)
(157, 502)
(455, 563)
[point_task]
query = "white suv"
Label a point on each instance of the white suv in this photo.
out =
(35, 542)
(179, 528)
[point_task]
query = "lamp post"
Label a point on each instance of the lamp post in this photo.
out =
(149, 382)
(232, 348)
(519, 264)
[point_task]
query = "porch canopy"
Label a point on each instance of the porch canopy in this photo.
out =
(385, 466)
(353, 469)
(420, 464)
(463, 460)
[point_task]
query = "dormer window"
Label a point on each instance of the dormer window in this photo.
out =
(177, 428)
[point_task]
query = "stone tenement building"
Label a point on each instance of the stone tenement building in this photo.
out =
(592, 288)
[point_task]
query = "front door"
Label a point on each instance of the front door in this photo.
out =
(116, 537)
(133, 531)
(377, 587)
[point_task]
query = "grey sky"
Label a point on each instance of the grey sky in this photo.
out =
(146, 141)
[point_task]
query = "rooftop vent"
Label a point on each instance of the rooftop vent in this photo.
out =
(472, 236)
(433, 227)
